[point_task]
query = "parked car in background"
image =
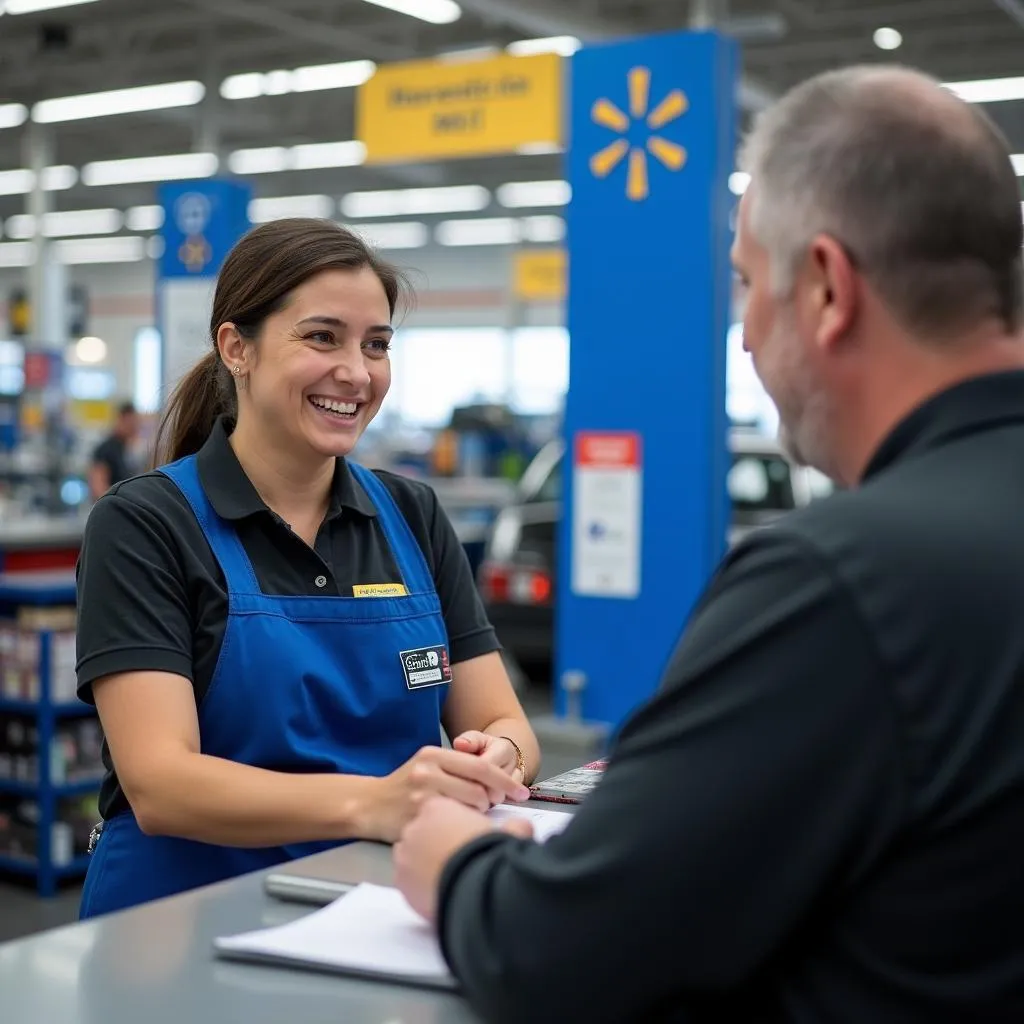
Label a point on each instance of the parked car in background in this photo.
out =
(517, 577)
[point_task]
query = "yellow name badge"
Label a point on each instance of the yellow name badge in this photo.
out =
(380, 590)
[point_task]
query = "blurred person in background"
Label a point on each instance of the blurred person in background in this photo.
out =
(273, 635)
(820, 815)
(113, 459)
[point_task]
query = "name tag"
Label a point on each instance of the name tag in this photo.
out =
(379, 590)
(426, 666)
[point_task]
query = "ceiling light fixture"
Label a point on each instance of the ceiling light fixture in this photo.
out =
(124, 249)
(310, 156)
(15, 254)
(534, 193)
(90, 349)
(437, 12)
(119, 101)
(988, 90)
(546, 228)
(479, 231)
(177, 167)
(403, 202)
(12, 115)
(64, 223)
(888, 38)
(32, 6)
(144, 218)
(395, 234)
(55, 179)
(739, 182)
(313, 78)
(276, 207)
(565, 46)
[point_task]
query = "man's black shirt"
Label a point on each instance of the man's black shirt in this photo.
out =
(820, 816)
(113, 453)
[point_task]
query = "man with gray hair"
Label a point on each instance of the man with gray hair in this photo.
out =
(820, 816)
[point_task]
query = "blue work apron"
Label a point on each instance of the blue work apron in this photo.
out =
(302, 684)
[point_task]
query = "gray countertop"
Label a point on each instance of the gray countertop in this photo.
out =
(154, 964)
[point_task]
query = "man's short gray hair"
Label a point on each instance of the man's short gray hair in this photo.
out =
(917, 186)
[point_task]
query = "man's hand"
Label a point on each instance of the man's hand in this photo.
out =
(441, 828)
(495, 749)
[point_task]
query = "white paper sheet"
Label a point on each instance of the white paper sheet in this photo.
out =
(370, 931)
(545, 823)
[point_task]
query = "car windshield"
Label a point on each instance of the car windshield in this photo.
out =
(760, 483)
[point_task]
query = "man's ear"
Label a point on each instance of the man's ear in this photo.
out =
(831, 295)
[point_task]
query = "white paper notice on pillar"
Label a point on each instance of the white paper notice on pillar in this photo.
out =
(607, 514)
(185, 307)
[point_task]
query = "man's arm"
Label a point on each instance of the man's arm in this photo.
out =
(762, 776)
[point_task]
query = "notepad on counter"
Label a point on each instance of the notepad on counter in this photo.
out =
(545, 823)
(371, 932)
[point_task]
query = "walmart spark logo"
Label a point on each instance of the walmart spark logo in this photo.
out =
(669, 154)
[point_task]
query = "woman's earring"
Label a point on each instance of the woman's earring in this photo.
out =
(237, 371)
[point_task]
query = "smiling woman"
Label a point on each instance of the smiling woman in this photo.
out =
(274, 637)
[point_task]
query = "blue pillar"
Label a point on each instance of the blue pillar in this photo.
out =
(644, 523)
(202, 221)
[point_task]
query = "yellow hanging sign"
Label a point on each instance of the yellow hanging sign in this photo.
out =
(424, 110)
(539, 275)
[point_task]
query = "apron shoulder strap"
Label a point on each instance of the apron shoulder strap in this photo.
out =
(221, 536)
(404, 546)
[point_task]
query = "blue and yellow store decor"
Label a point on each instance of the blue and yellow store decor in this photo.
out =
(652, 124)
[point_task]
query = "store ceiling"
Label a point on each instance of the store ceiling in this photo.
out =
(100, 45)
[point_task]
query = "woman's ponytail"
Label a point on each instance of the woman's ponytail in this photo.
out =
(203, 394)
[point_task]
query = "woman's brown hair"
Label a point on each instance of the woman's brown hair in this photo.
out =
(260, 272)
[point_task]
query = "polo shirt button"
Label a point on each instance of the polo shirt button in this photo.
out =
(321, 581)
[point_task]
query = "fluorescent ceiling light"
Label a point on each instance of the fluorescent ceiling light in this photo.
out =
(888, 39)
(1017, 159)
(739, 182)
(150, 168)
(566, 46)
(262, 210)
(155, 247)
(270, 159)
(312, 78)
(12, 114)
(19, 182)
(542, 229)
(31, 6)
(534, 193)
(144, 218)
(988, 90)
(399, 202)
(327, 154)
(259, 161)
(119, 101)
(480, 231)
(62, 223)
(125, 249)
(395, 234)
(437, 12)
(539, 148)
(469, 53)
(15, 254)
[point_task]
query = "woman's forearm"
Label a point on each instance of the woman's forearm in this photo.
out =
(519, 731)
(212, 800)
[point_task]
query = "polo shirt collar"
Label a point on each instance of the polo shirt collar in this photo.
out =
(980, 403)
(233, 496)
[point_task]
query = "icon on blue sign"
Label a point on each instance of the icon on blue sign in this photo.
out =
(192, 213)
(596, 531)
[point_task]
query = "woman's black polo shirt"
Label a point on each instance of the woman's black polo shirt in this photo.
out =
(151, 596)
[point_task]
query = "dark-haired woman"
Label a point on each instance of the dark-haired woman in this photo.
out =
(274, 636)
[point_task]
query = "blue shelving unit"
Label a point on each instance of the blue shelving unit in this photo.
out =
(41, 590)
